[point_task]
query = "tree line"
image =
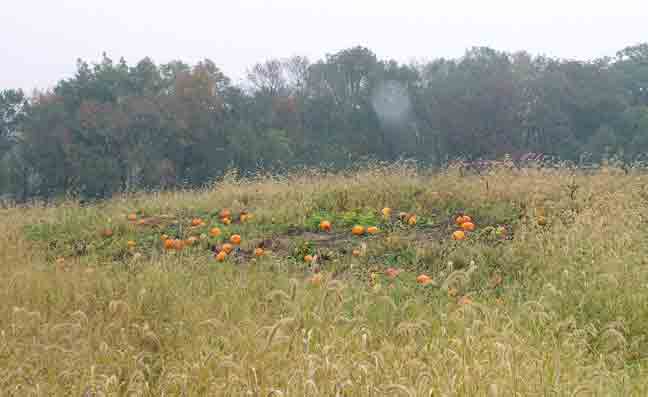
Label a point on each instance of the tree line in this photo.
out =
(117, 127)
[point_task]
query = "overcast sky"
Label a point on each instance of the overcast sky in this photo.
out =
(41, 40)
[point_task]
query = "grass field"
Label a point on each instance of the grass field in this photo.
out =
(548, 296)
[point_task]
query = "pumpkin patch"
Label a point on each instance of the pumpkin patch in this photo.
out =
(221, 256)
(227, 248)
(358, 230)
(325, 226)
(235, 239)
(225, 237)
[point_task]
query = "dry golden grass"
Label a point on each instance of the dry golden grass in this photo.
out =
(569, 318)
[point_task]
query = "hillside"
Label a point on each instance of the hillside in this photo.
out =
(548, 295)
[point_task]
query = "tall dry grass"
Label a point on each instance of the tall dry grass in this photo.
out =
(569, 320)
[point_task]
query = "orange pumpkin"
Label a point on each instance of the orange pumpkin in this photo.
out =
(169, 244)
(468, 226)
(235, 239)
(412, 220)
(221, 256)
(386, 212)
(315, 279)
(423, 279)
(462, 219)
(227, 248)
(372, 230)
(459, 235)
(215, 232)
(325, 226)
(358, 230)
(178, 244)
(227, 221)
(259, 252)
(308, 258)
(132, 217)
(107, 233)
(197, 222)
(225, 213)
(356, 252)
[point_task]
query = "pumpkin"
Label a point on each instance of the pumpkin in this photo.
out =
(358, 230)
(462, 219)
(227, 248)
(132, 217)
(468, 226)
(215, 232)
(372, 230)
(131, 244)
(178, 244)
(259, 252)
(325, 226)
(315, 279)
(227, 221)
(423, 279)
(169, 244)
(107, 233)
(197, 222)
(386, 212)
(308, 258)
(225, 213)
(356, 252)
(459, 235)
(412, 220)
(235, 239)
(221, 256)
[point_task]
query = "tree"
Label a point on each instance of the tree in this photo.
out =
(269, 78)
(12, 107)
(114, 127)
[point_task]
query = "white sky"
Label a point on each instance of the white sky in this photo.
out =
(40, 40)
